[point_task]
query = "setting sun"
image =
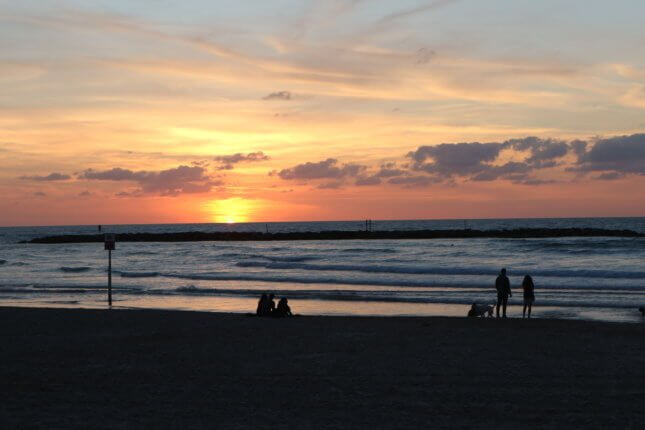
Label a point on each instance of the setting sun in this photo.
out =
(232, 210)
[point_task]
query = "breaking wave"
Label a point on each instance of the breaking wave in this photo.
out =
(381, 282)
(75, 269)
(428, 270)
(278, 259)
(138, 274)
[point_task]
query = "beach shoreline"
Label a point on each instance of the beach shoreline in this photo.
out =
(341, 309)
(77, 368)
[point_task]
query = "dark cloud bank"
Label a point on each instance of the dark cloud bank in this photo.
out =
(327, 169)
(612, 158)
(174, 181)
(449, 163)
(609, 158)
(170, 182)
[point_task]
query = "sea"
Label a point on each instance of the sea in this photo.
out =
(591, 278)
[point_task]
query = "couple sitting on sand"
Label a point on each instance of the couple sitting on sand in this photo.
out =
(503, 287)
(267, 307)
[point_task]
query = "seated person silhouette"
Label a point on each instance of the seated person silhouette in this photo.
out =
(270, 305)
(283, 309)
(262, 303)
(266, 306)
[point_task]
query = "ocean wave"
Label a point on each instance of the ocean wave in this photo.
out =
(138, 274)
(12, 290)
(274, 258)
(369, 250)
(141, 253)
(428, 270)
(74, 269)
(70, 290)
(380, 282)
(189, 289)
(62, 289)
(2, 261)
(591, 246)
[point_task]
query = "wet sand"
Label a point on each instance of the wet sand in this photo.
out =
(161, 369)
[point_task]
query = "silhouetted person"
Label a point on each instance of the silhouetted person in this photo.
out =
(270, 304)
(529, 294)
(503, 287)
(283, 309)
(262, 303)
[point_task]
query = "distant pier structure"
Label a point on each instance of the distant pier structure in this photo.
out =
(368, 225)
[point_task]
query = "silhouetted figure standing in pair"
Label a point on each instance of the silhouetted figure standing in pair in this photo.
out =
(529, 294)
(283, 309)
(503, 287)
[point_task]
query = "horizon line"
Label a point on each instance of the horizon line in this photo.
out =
(324, 221)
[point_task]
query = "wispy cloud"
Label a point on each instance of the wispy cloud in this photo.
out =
(413, 11)
(50, 177)
(280, 95)
(228, 161)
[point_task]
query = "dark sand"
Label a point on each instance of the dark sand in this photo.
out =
(158, 369)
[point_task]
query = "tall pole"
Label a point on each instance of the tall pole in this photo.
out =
(110, 277)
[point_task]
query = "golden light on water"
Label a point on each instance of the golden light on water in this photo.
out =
(231, 210)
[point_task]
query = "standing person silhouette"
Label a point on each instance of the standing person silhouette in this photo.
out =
(529, 294)
(503, 287)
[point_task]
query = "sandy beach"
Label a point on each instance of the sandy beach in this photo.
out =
(167, 369)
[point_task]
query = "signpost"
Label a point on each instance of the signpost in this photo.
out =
(110, 245)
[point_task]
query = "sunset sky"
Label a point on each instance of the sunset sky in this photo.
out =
(156, 111)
